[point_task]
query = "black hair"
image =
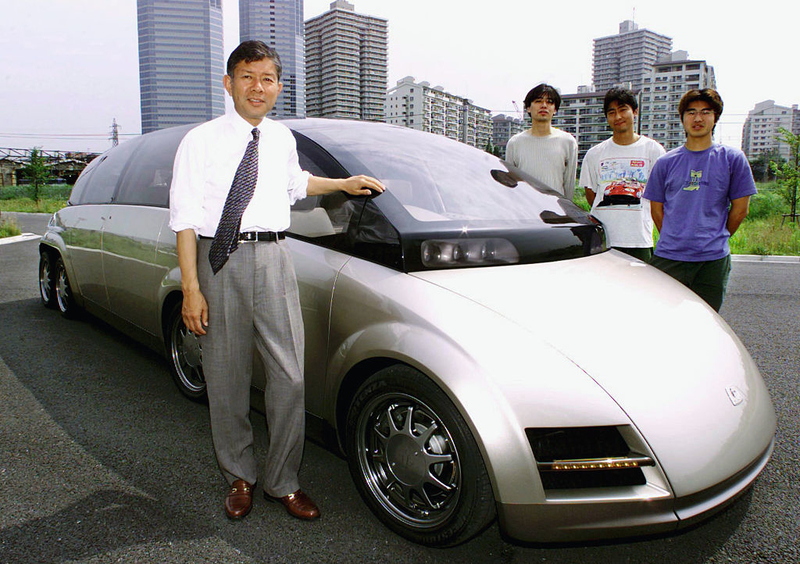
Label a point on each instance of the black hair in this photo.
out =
(251, 51)
(543, 91)
(622, 96)
(707, 95)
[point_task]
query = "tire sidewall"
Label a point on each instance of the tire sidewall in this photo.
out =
(465, 521)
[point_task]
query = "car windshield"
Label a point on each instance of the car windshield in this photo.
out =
(437, 180)
(452, 205)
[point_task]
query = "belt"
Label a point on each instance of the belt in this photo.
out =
(262, 235)
(258, 236)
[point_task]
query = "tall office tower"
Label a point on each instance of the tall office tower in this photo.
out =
(419, 105)
(346, 64)
(761, 130)
(279, 24)
(180, 62)
(663, 88)
(627, 56)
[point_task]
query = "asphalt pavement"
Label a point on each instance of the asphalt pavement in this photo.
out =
(102, 460)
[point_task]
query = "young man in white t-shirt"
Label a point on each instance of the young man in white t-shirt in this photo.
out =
(614, 174)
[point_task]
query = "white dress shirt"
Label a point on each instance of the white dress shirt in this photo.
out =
(206, 163)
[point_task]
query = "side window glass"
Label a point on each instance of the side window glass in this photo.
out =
(147, 179)
(327, 219)
(83, 181)
(102, 183)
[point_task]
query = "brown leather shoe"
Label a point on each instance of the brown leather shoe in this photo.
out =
(239, 500)
(298, 505)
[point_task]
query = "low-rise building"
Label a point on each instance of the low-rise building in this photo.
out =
(419, 105)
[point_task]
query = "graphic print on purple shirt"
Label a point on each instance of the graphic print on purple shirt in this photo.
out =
(696, 188)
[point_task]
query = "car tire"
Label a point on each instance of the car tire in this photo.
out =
(414, 460)
(47, 280)
(65, 300)
(185, 356)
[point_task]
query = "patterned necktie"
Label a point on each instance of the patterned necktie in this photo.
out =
(241, 192)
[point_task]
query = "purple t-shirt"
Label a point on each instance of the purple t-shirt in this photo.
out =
(696, 188)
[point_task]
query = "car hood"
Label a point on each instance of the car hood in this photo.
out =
(669, 361)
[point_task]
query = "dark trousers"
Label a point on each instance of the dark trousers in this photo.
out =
(707, 279)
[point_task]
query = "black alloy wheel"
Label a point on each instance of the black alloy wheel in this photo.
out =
(47, 280)
(185, 357)
(414, 460)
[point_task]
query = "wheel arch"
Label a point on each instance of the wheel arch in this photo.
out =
(467, 385)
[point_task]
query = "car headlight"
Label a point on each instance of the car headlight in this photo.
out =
(446, 253)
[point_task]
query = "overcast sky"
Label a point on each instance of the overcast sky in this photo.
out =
(70, 67)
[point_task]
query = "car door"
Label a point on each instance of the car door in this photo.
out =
(133, 229)
(319, 236)
(85, 222)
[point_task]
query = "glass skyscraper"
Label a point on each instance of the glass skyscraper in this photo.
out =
(279, 24)
(180, 62)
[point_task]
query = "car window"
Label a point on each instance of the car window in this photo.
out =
(147, 179)
(83, 181)
(102, 183)
(329, 218)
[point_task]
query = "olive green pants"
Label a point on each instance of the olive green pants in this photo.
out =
(707, 279)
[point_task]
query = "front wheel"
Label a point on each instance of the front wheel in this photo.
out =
(414, 460)
(185, 357)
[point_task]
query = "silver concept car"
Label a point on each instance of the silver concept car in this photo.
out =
(471, 346)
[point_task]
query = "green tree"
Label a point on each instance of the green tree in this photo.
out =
(761, 165)
(492, 149)
(788, 173)
(38, 172)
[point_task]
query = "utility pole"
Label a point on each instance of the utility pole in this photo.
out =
(114, 133)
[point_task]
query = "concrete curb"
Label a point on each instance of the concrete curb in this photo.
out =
(19, 238)
(766, 258)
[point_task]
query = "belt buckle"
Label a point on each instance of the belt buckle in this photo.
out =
(248, 236)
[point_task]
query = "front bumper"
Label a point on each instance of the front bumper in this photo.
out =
(563, 521)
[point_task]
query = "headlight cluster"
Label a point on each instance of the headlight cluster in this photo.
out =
(448, 253)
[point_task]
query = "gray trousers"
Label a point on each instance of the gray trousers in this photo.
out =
(254, 307)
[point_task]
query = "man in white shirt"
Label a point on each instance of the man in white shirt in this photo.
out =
(546, 153)
(248, 303)
(614, 174)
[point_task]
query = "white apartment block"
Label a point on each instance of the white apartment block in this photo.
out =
(582, 115)
(418, 105)
(504, 128)
(663, 88)
(627, 56)
(346, 69)
(761, 128)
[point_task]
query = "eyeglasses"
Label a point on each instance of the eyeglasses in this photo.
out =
(705, 113)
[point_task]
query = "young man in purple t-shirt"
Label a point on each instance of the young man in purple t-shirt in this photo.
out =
(699, 194)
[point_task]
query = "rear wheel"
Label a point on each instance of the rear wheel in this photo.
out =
(47, 280)
(64, 297)
(414, 460)
(185, 356)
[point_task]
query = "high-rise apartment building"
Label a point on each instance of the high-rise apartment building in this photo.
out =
(418, 105)
(504, 128)
(627, 56)
(663, 88)
(346, 66)
(180, 62)
(762, 129)
(582, 115)
(279, 24)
